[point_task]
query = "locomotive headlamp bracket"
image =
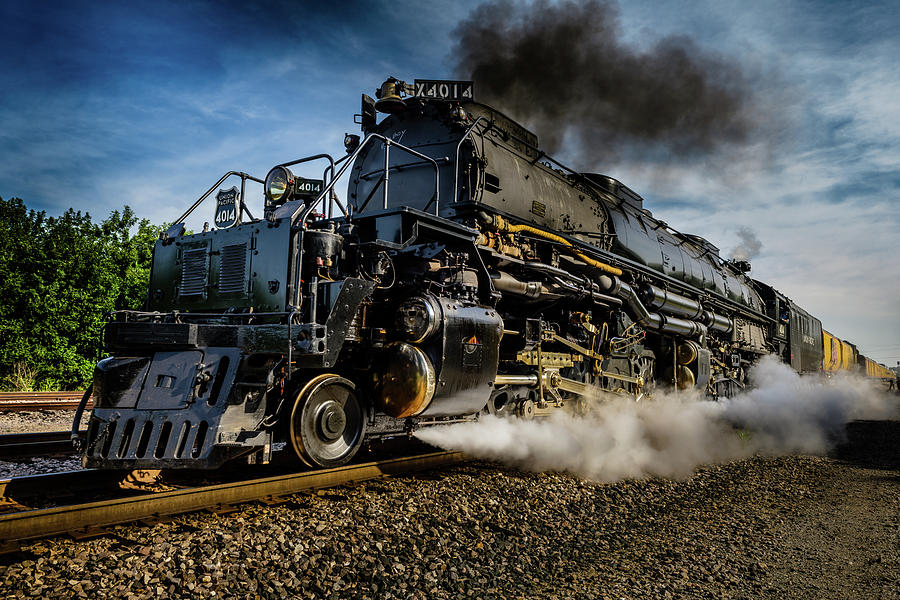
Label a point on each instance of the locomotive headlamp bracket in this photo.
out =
(282, 185)
(279, 184)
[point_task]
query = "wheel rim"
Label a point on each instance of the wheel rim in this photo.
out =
(328, 422)
(526, 410)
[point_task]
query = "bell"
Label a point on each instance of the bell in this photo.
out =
(389, 100)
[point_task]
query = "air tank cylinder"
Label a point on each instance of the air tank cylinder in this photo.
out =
(717, 322)
(672, 303)
(682, 327)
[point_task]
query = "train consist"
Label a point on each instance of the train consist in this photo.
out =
(841, 355)
(465, 272)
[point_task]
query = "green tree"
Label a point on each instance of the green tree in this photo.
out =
(59, 277)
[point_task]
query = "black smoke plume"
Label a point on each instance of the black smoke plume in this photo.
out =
(563, 69)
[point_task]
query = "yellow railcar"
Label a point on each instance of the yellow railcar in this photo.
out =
(831, 361)
(848, 356)
(877, 371)
(874, 369)
(839, 355)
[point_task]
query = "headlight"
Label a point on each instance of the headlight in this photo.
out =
(279, 183)
(417, 319)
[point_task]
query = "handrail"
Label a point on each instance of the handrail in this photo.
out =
(400, 167)
(458, 146)
(297, 207)
(243, 176)
(294, 208)
(330, 168)
(437, 173)
(333, 197)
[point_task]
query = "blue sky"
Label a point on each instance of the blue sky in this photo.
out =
(148, 103)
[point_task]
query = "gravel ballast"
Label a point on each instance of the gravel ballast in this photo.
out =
(33, 422)
(38, 465)
(37, 420)
(786, 527)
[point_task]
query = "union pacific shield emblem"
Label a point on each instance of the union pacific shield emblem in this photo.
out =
(227, 208)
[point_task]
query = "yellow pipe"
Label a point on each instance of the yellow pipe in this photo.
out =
(505, 226)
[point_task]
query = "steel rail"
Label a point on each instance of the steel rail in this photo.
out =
(32, 524)
(25, 406)
(37, 443)
(23, 401)
(57, 395)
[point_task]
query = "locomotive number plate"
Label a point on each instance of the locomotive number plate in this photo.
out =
(227, 212)
(308, 188)
(443, 90)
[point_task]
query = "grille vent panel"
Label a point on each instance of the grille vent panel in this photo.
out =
(233, 269)
(194, 269)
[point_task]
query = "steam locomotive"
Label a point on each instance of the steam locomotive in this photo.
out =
(465, 272)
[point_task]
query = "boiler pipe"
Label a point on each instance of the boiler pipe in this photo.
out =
(529, 380)
(644, 317)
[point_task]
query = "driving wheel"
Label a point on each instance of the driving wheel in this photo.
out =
(328, 422)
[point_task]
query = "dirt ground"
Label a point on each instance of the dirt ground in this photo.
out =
(845, 541)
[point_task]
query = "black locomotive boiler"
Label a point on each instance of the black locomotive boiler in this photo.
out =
(464, 272)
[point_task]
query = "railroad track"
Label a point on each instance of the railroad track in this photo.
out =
(25, 401)
(44, 443)
(89, 519)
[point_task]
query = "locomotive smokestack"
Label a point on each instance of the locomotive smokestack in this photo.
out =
(672, 100)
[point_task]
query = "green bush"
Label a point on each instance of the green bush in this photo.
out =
(58, 279)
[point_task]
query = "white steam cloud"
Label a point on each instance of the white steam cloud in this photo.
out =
(672, 434)
(749, 245)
